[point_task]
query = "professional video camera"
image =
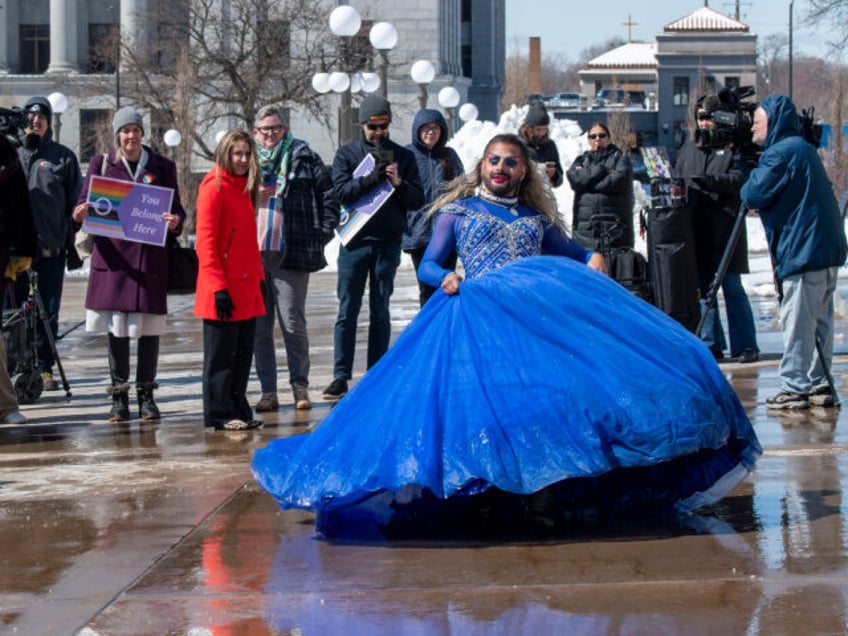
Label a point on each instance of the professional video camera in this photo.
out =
(733, 119)
(12, 124)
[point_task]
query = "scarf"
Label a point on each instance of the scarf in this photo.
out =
(274, 163)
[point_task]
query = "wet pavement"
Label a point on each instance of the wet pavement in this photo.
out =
(160, 529)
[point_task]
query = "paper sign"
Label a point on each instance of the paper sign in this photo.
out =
(128, 210)
(354, 217)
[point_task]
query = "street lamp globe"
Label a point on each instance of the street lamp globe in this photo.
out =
(345, 21)
(449, 97)
(468, 112)
(219, 136)
(321, 82)
(370, 82)
(339, 82)
(172, 138)
(383, 36)
(422, 72)
(58, 102)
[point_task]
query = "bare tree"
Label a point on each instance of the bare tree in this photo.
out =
(830, 13)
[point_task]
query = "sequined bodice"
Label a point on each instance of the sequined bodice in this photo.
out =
(485, 242)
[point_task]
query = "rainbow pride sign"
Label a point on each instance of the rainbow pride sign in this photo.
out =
(127, 210)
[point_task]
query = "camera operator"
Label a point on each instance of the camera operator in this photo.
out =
(53, 175)
(372, 255)
(791, 192)
(713, 172)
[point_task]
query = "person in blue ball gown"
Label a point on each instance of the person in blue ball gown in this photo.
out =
(534, 390)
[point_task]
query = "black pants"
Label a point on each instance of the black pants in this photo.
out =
(227, 357)
(119, 359)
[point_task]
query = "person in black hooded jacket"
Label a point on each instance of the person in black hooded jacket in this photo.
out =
(437, 164)
(534, 131)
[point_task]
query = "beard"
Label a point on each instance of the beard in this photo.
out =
(507, 188)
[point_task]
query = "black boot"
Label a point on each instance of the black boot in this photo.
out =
(147, 409)
(120, 403)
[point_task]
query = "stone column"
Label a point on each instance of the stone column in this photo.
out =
(134, 25)
(63, 36)
(4, 37)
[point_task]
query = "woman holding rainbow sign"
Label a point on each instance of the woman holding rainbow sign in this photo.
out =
(127, 284)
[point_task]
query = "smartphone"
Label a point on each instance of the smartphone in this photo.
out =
(387, 156)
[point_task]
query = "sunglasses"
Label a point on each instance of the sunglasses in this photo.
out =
(376, 126)
(265, 130)
(598, 136)
(509, 162)
(704, 116)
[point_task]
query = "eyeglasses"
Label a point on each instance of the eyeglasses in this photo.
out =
(376, 126)
(509, 162)
(704, 116)
(267, 130)
(598, 136)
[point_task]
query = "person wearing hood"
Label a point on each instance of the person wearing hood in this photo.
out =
(437, 165)
(534, 131)
(371, 256)
(127, 296)
(791, 192)
(54, 179)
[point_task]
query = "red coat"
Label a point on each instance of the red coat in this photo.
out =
(227, 251)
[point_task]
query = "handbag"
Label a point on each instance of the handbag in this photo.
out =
(182, 267)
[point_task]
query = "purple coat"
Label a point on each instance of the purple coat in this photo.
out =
(125, 275)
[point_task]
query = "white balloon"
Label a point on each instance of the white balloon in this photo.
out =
(370, 82)
(58, 102)
(468, 112)
(321, 82)
(339, 82)
(422, 72)
(172, 137)
(449, 97)
(383, 36)
(345, 21)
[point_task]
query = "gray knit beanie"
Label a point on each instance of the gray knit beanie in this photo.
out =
(126, 116)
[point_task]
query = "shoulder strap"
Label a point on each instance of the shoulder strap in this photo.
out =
(103, 165)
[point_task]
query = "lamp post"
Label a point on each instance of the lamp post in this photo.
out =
(172, 139)
(58, 103)
(345, 22)
(383, 37)
(422, 73)
(449, 99)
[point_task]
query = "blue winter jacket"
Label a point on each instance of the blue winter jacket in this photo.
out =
(794, 198)
(435, 167)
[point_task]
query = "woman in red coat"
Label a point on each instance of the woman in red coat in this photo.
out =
(230, 280)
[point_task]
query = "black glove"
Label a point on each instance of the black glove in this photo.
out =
(704, 182)
(224, 305)
(375, 176)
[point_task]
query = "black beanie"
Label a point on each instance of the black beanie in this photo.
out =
(41, 105)
(537, 115)
(375, 109)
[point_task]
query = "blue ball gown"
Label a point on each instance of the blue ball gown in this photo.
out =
(542, 390)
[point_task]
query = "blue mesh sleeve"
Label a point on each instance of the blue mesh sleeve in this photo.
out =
(441, 244)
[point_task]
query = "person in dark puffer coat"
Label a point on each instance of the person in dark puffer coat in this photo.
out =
(602, 180)
(437, 164)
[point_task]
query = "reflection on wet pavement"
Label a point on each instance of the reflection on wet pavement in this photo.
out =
(160, 528)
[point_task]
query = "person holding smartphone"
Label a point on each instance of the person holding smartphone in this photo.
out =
(373, 255)
(534, 131)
